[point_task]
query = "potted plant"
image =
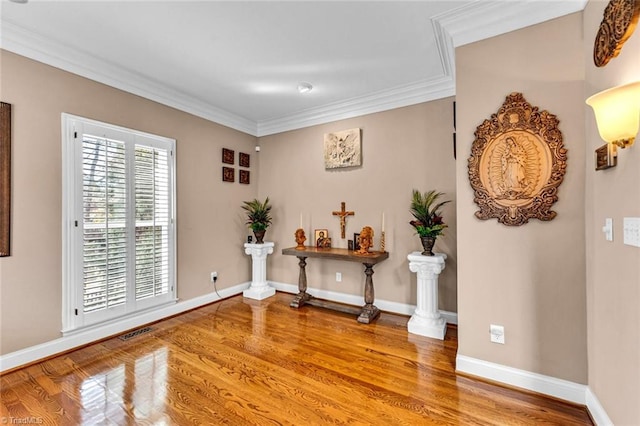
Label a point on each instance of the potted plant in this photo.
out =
(258, 217)
(428, 222)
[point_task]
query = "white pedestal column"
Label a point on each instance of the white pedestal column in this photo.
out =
(259, 287)
(426, 320)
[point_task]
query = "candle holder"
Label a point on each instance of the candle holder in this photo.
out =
(300, 239)
(382, 242)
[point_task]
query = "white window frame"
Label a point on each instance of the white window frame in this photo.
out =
(73, 318)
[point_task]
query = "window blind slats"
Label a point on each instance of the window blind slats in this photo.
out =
(104, 214)
(152, 207)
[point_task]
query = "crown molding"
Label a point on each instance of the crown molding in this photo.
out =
(466, 24)
(483, 19)
(472, 22)
(19, 40)
(411, 94)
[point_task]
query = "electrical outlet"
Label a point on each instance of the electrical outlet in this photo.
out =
(338, 277)
(214, 277)
(497, 333)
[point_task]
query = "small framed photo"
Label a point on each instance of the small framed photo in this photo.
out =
(227, 156)
(244, 159)
(228, 174)
(356, 241)
(244, 176)
(321, 236)
(350, 245)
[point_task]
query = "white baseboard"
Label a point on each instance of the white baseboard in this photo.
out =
(596, 410)
(351, 299)
(44, 350)
(558, 388)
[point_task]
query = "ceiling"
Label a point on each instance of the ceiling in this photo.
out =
(239, 63)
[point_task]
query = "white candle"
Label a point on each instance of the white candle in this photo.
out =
(382, 221)
(300, 220)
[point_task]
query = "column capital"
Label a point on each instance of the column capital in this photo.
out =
(259, 249)
(426, 264)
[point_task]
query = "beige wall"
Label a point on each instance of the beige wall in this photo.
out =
(402, 149)
(613, 269)
(530, 279)
(210, 228)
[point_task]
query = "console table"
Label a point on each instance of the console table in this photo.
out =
(369, 311)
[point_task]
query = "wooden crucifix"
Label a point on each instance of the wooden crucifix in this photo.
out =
(343, 218)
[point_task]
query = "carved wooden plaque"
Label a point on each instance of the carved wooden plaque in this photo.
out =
(619, 20)
(517, 163)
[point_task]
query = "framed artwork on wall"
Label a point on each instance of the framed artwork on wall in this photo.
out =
(342, 149)
(228, 174)
(5, 179)
(227, 156)
(244, 177)
(244, 159)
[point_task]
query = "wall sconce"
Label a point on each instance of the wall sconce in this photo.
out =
(617, 112)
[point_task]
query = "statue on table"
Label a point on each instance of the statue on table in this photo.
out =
(365, 240)
(300, 238)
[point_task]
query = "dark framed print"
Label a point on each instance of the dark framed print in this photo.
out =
(244, 177)
(228, 156)
(5, 179)
(228, 174)
(244, 159)
(356, 241)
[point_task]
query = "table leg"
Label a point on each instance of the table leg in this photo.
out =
(369, 310)
(302, 295)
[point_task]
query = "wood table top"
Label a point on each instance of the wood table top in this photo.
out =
(337, 254)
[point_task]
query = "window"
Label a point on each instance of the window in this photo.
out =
(118, 222)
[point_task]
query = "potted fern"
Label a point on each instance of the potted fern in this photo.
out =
(428, 222)
(258, 217)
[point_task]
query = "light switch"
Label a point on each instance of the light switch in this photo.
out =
(608, 229)
(631, 231)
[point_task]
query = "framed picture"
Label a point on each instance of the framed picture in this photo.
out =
(356, 241)
(244, 159)
(227, 156)
(228, 174)
(321, 236)
(342, 149)
(5, 178)
(244, 176)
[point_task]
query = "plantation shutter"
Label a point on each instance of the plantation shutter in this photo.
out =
(120, 243)
(104, 218)
(152, 221)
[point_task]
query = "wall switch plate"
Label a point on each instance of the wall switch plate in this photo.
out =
(608, 229)
(497, 333)
(631, 231)
(338, 277)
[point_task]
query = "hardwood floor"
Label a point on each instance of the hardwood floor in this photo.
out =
(247, 362)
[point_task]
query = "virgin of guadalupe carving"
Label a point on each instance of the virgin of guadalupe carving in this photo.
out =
(517, 163)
